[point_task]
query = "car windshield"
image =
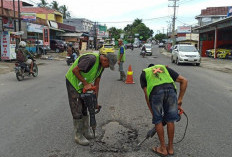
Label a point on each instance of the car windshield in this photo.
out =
(188, 49)
(108, 46)
(148, 46)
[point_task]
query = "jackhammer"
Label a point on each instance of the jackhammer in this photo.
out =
(152, 132)
(90, 101)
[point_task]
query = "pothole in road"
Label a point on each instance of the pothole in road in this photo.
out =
(116, 138)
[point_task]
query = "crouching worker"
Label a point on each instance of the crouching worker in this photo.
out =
(158, 83)
(85, 73)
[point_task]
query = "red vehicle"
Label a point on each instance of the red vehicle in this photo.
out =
(57, 45)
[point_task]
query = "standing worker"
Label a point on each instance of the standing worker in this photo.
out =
(85, 73)
(121, 60)
(158, 84)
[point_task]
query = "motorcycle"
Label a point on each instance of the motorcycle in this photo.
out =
(22, 70)
(71, 59)
(143, 53)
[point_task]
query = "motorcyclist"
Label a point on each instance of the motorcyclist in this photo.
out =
(24, 56)
(143, 52)
(71, 51)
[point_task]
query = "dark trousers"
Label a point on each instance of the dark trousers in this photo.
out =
(78, 109)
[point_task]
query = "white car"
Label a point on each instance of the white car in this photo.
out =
(148, 48)
(161, 44)
(185, 54)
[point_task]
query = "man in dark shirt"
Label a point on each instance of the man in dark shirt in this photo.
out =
(85, 73)
(158, 84)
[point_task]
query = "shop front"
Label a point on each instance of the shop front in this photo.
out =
(8, 45)
(34, 37)
(54, 29)
(216, 37)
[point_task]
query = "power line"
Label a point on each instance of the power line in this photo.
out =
(155, 18)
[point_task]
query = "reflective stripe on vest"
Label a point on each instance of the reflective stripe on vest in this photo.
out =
(158, 78)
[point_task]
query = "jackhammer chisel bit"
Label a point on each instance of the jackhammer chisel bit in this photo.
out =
(150, 134)
(90, 100)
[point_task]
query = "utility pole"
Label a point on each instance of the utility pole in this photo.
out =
(2, 14)
(95, 35)
(19, 21)
(14, 16)
(173, 21)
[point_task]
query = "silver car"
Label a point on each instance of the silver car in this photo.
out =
(185, 54)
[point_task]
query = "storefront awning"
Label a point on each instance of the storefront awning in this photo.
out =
(56, 29)
(71, 35)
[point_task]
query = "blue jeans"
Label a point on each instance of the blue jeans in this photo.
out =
(164, 106)
(120, 68)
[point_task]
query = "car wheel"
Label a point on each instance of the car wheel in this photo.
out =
(197, 64)
(57, 50)
(177, 61)
(172, 60)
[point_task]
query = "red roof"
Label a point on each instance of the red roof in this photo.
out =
(27, 9)
(214, 11)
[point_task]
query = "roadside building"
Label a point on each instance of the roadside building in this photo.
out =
(85, 27)
(214, 35)
(212, 14)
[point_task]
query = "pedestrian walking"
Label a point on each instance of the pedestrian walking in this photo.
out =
(121, 60)
(158, 84)
(85, 73)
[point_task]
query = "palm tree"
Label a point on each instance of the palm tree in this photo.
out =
(43, 3)
(137, 22)
(65, 12)
(55, 5)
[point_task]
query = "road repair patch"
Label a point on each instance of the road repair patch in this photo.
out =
(116, 138)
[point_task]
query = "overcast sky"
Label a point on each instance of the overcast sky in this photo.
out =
(128, 10)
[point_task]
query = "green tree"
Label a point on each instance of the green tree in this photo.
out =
(160, 37)
(54, 5)
(64, 10)
(115, 33)
(137, 27)
(43, 3)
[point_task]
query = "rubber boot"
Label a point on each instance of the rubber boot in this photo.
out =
(78, 128)
(87, 132)
(123, 76)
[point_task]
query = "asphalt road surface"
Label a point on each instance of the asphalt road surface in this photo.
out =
(36, 120)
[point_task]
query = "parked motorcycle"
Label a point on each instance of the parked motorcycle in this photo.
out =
(22, 70)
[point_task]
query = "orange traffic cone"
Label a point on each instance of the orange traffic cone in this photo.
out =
(129, 77)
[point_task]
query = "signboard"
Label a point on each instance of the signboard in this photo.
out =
(8, 22)
(102, 31)
(102, 28)
(229, 11)
(5, 45)
(46, 35)
(206, 19)
(184, 29)
(28, 17)
(34, 28)
(121, 35)
(136, 34)
(53, 24)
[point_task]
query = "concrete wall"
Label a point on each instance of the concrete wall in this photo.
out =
(192, 36)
